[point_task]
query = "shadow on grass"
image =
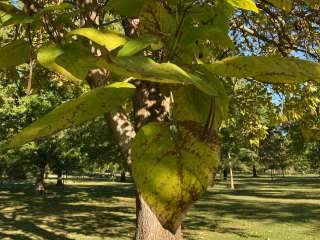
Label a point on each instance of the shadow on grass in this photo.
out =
(78, 210)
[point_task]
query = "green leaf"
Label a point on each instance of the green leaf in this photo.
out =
(21, 18)
(190, 104)
(77, 60)
(47, 57)
(136, 45)
(128, 8)
(72, 60)
(14, 54)
(9, 8)
(146, 69)
(283, 4)
(267, 69)
(208, 32)
(171, 173)
(155, 20)
(110, 40)
(4, 17)
(57, 7)
(75, 112)
(244, 4)
(310, 134)
(18, 20)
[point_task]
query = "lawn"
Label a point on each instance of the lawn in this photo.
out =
(258, 209)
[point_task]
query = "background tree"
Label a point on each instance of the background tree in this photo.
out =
(177, 122)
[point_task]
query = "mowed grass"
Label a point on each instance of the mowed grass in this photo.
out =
(283, 209)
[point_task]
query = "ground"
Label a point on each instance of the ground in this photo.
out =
(285, 209)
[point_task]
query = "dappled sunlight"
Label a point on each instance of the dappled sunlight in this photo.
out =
(257, 209)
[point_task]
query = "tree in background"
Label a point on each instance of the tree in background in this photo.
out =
(171, 52)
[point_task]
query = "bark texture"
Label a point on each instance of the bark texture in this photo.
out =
(40, 185)
(148, 226)
(151, 104)
(59, 178)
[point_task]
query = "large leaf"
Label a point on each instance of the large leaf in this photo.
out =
(74, 61)
(128, 8)
(18, 20)
(244, 4)
(14, 54)
(110, 40)
(146, 69)
(156, 20)
(77, 60)
(75, 112)
(190, 104)
(136, 45)
(207, 32)
(267, 69)
(71, 60)
(171, 173)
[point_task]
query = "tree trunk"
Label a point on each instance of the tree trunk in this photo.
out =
(254, 171)
(225, 173)
(150, 104)
(123, 177)
(148, 226)
(59, 178)
(40, 186)
(148, 107)
(231, 174)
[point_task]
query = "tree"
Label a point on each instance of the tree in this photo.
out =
(273, 152)
(170, 60)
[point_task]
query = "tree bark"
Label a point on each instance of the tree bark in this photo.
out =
(225, 173)
(150, 104)
(231, 173)
(254, 171)
(123, 178)
(148, 226)
(59, 178)
(40, 185)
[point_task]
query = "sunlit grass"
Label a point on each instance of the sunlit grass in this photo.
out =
(258, 209)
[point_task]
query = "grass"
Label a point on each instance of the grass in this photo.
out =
(285, 209)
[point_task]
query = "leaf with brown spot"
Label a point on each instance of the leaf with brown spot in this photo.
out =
(171, 174)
